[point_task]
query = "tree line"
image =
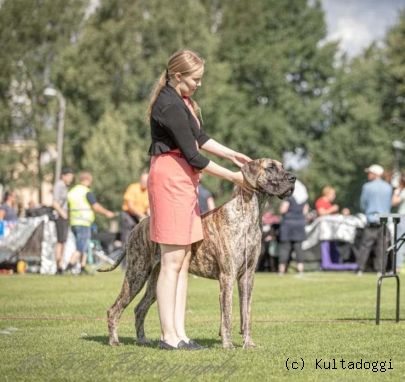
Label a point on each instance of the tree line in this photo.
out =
(272, 86)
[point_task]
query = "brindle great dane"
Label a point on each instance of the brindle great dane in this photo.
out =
(232, 233)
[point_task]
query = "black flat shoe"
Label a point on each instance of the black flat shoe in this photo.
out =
(192, 345)
(182, 345)
(165, 346)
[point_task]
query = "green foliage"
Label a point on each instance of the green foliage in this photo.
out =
(109, 139)
(394, 90)
(276, 61)
(32, 35)
(343, 151)
(271, 85)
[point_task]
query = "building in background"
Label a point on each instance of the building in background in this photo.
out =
(22, 166)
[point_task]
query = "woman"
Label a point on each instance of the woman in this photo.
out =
(292, 228)
(8, 210)
(398, 200)
(177, 135)
(324, 204)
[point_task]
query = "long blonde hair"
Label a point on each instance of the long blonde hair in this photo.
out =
(185, 62)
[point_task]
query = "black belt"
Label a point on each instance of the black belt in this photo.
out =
(174, 153)
(373, 225)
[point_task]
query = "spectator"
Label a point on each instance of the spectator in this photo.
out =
(398, 200)
(60, 205)
(375, 199)
(135, 206)
(324, 204)
(268, 259)
(292, 228)
(82, 206)
(32, 205)
(205, 198)
(8, 210)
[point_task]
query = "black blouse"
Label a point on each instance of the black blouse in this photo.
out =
(173, 126)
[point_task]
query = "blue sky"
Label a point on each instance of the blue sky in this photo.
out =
(356, 23)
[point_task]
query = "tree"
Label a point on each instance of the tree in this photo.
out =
(366, 115)
(273, 49)
(355, 137)
(32, 35)
(113, 160)
(121, 52)
(393, 81)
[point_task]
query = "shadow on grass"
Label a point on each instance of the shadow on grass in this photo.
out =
(103, 340)
(367, 320)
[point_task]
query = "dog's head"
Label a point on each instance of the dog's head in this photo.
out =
(268, 176)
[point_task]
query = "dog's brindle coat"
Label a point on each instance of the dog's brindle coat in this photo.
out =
(231, 232)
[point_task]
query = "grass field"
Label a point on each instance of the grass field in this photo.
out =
(54, 329)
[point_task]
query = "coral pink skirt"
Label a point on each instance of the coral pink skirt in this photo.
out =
(173, 198)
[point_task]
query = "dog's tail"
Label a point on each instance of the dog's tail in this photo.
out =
(117, 261)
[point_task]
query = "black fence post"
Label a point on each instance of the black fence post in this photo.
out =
(393, 272)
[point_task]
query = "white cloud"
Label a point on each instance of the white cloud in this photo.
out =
(356, 24)
(352, 34)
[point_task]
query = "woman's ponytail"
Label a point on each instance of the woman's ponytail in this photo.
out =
(160, 84)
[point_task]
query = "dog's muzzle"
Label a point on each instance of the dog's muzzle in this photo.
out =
(291, 178)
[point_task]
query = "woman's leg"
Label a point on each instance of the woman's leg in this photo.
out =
(172, 257)
(401, 252)
(284, 255)
(181, 297)
(299, 253)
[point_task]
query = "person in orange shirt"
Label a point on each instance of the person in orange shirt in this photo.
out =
(135, 206)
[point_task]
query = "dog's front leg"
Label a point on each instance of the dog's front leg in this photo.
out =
(225, 299)
(245, 286)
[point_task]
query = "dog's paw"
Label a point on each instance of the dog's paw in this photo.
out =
(249, 345)
(228, 345)
(114, 343)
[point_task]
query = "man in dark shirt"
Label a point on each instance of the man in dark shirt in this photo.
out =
(60, 205)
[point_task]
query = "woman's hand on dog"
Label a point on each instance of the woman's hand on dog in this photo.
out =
(239, 159)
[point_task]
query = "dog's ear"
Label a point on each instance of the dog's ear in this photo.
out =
(251, 172)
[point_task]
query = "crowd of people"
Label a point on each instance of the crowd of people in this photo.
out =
(377, 197)
(75, 208)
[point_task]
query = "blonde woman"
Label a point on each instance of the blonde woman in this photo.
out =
(324, 204)
(398, 200)
(177, 137)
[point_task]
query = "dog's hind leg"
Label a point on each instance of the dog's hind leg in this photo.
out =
(141, 310)
(245, 287)
(130, 288)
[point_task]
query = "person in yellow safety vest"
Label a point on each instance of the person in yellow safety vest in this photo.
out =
(82, 207)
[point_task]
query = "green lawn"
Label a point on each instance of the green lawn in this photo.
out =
(53, 328)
